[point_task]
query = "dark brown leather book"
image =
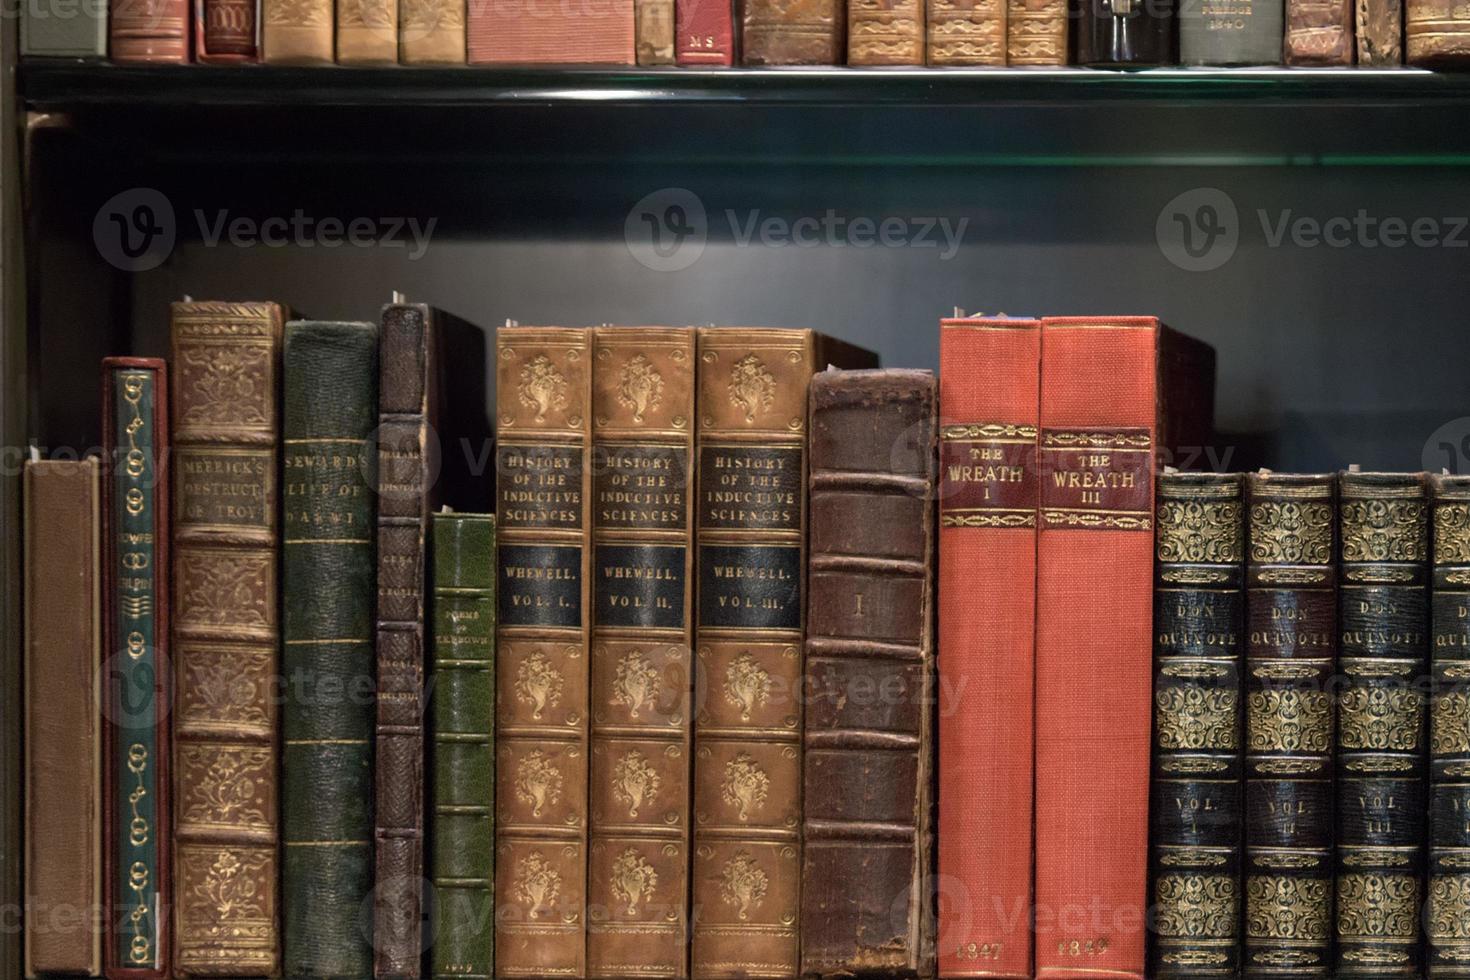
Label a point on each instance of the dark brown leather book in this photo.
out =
(1036, 33)
(1319, 32)
(751, 558)
(1380, 28)
(136, 747)
(1436, 33)
(868, 829)
(63, 652)
(642, 631)
(968, 32)
(409, 387)
(544, 400)
(224, 31)
(885, 32)
(149, 31)
(792, 32)
(226, 638)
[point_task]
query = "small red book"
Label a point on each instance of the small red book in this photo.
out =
(988, 403)
(1119, 397)
(704, 33)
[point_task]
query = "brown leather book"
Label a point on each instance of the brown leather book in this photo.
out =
(1036, 33)
(224, 31)
(551, 32)
(367, 32)
(750, 531)
(967, 32)
(63, 653)
(792, 32)
(1436, 32)
(149, 31)
(868, 753)
(885, 32)
(1380, 25)
(544, 401)
(226, 637)
(642, 631)
(296, 32)
(654, 30)
(1319, 32)
(431, 32)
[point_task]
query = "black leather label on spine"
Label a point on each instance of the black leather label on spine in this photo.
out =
(1197, 622)
(750, 587)
(1379, 812)
(1291, 623)
(1197, 812)
(750, 487)
(1383, 621)
(541, 585)
(1449, 815)
(539, 486)
(640, 585)
(1294, 813)
(1451, 618)
(642, 488)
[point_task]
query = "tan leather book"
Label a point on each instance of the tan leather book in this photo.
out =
(226, 623)
(431, 32)
(1380, 32)
(751, 563)
(885, 32)
(367, 32)
(544, 402)
(63, 653)
(793, 32)
(654, 30)
(296, 32)
(642, 631)
(1036, 33)
(1319, 32)
(1436, 32)
(967, 32)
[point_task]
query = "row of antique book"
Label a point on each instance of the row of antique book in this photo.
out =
(695, 33)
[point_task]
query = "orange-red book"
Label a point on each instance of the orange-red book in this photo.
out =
(1119, 396)
(988, 403)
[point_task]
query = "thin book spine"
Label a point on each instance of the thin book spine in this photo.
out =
(704, 33)
(225, 31)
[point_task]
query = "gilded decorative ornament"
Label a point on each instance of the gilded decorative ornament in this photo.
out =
(1377, 906)
(542, 387)
(752, 387)
(538, 684)
(225, 793)
(742, 883)
(1286, 908)
(635, 782)
(1384, 530)
(635, 684)
(1191, 717)
(1196, 906)
(230, 384)
(1449, 724)
(230, 888)
(1194, 531)
(224, 589)
(1449, 908)
(640, 386)
(1289, 720)
(538, 884)
(633, 879)
(1380, 718)
(1288, 532)
(747, 685)
(538, 782)
(745, 785)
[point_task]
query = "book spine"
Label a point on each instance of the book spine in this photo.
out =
(968, 32)
(1291, 657)
(431, 32)
(643, 549)
(1436, 32)
(867, 842)
(297, 32)
(704, 33)
(885, 32)
(793, 32)
(1381, 751)
(136, 745)
(1117, 33)
(367, 32)
(543, 395)
(149, 31)
(1094, 605)
(1448, 892)
(1319, 32)
(1195, 832)
(654, 31)
(1036, 33)
(224, 31)
(1231, 32)
(751, 543)
(407, 416)
(226, 637)
(82, 35)
(1380, 32)
(989, 389)
(63, 653)
(330, 378)
(462, 706)
(552, 32)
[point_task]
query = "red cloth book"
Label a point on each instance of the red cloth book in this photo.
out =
(988, 402)
(550, 32)
(1114, 390)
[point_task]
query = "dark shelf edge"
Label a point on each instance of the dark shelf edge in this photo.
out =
(62, 84)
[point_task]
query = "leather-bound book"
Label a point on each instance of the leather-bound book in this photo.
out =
(868, 827)
(149, 31)
(297, 32)
(224, 31)
(1380, 32)
(1436, 33)
(136, 747)
(1291, 654)
(552, 32)
(1036, 33)
(1199, 743)
(642, 632)
(462, 722)
(885, 32)
(704, 33)
(63, 653)
(431, 32)
(1382, 753)
(654, 31)
(1231, 32)
(989, 391)
(967, 32)
(411, 368)
(793, 32)
(367, 32)
(1447, 921)
(226, 638)
(1115, 393)
(1319, 33)
(330, 409)
(1125, 33)
(543, 618)
(83, 35)
(750, 530)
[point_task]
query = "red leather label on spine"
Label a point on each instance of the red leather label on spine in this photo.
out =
(988, 475)
(704, 32)
(1097, 479)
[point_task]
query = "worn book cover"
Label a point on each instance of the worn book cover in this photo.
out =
(297, 32)
(885, 32)
(1319, 32)
(793, 32)
(224, 31)
(1436, 33)
(431, 32)
(968, 32)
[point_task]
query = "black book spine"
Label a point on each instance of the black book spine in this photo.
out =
(1126, 33)
(1196, 815)
(1381, 757)
(1448, 921)
(1291, 651)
